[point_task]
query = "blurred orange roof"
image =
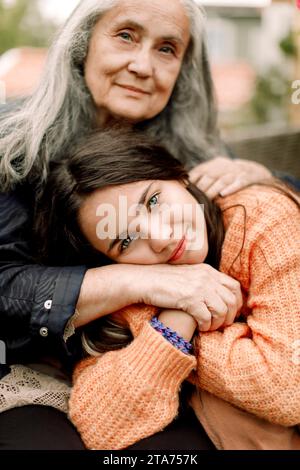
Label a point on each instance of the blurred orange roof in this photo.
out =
(234, 84)
(20, 70)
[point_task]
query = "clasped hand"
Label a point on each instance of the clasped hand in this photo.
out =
(211, 297)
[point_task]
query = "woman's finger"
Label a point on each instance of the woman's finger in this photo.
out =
(203, 317)
(214, 168)
(239, 183)
(195, 175)
(232, 301)
(198, 171)
(234, 287)
(221, 183)
(204, 183)
(216, 323)
(230, 318)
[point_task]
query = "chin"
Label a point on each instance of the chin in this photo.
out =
(132, 119)
(195, 257)
(125, 114)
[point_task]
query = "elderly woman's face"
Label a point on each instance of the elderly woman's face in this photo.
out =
(134, 58)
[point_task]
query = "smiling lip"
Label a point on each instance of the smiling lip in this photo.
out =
(136, 90)
(179, 250)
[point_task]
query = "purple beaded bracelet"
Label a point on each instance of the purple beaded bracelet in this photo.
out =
(174, 338)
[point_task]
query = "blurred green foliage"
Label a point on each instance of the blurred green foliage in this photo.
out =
(271, 97)
(288, 45)
(21, 24)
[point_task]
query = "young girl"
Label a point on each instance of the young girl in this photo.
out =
(130, 200)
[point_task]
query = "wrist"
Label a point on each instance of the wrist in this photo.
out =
(181, 322)
(172, 336)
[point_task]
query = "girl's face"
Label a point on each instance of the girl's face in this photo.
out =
(134, 58)
(148, 222)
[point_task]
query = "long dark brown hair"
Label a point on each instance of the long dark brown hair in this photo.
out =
(101, 159)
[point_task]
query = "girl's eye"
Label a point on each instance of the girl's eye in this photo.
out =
(125, 244)
(153, 201)
(126, 36)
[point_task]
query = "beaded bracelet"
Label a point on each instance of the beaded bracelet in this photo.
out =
(174, 338)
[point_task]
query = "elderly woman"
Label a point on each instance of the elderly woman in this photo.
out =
(140, 64)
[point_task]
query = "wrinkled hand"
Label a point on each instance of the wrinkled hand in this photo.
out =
(223, 176)
(211, 297)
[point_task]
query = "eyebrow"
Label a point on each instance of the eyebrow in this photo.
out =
(141, 201)
(139, 27)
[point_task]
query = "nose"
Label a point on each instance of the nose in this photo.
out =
(160, 237)
(141, 62)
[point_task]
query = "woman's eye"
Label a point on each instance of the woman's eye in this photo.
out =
(126, 36)
(167, 50)
(153, 201)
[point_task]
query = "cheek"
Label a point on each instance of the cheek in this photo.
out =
(140, 255)
(167, 80)
(102, 60)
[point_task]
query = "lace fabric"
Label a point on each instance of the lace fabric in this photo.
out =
(25, 386)
(70, 328)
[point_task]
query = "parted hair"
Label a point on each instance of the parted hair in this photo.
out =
(42, 126)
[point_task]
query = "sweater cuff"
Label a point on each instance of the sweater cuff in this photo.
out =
(151, 356)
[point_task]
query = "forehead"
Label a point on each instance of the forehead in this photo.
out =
(107, 200)
(111, 195)
(162, 16)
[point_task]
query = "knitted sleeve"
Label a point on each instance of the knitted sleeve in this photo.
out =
(255, 365)
(124, 396)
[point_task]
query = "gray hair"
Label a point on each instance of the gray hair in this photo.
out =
(61, 109)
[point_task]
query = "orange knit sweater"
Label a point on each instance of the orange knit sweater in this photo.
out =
(129, 394)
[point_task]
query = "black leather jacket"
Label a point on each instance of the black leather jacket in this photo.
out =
(36, 301)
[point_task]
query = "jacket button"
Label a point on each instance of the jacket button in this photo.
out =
(44, 331)
(48, 304)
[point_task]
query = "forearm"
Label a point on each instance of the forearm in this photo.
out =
(105, 290)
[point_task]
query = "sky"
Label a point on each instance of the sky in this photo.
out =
(60, 9)
(57, 9)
